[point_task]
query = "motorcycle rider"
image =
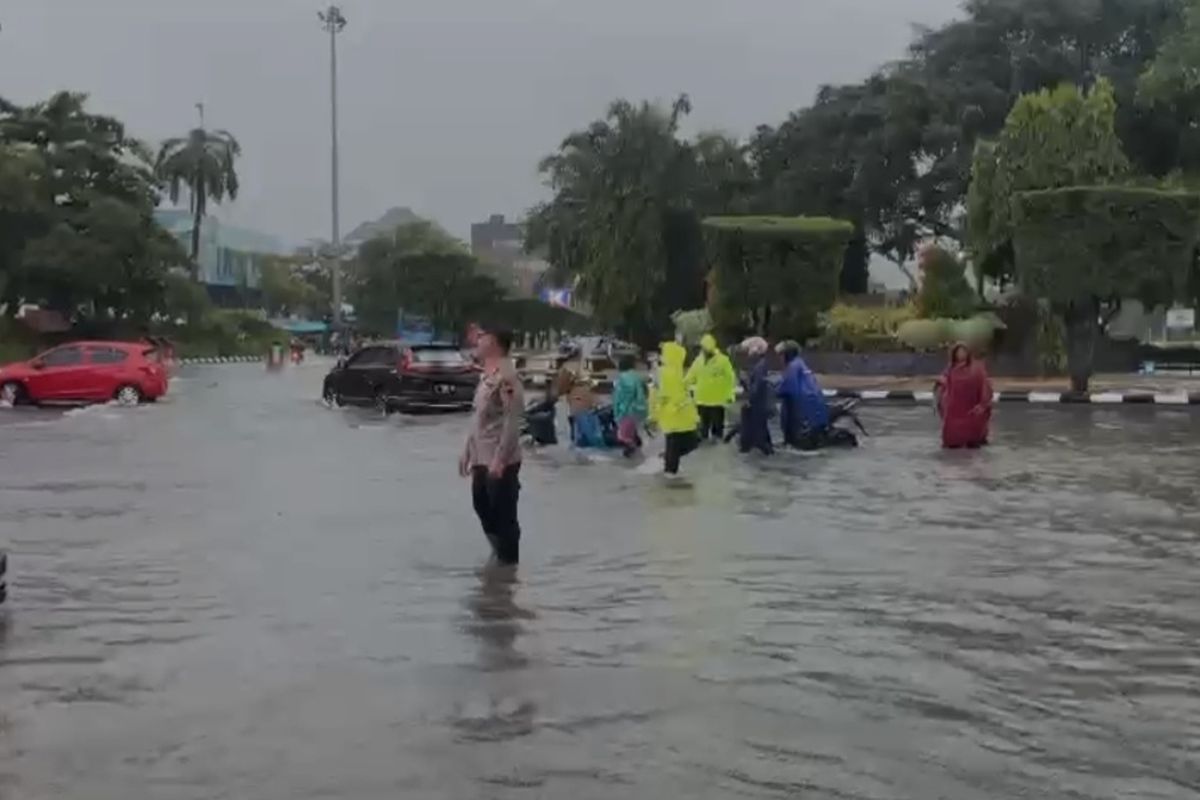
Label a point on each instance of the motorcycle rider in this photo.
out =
(804, 414)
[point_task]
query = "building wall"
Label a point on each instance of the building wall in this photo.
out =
(229, 256)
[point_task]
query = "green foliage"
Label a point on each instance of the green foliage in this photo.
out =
(203, 162)
(1106, 242)
(1083, 248)
(292, 285)
(77, 233)
(1052, 139)
(773, 276)
(977, 332)
(624, 218)
(690, 326)
(857, 329)
(223, 332)
(424, 271)
(944, 288)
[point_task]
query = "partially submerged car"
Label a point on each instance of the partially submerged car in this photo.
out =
(394, 376)
(86, 372)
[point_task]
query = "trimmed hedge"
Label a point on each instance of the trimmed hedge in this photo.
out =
(773, 275)
(1106, 242)
(799, 228)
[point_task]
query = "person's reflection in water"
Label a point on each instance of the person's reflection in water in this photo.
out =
(496, 618)
(496, 621)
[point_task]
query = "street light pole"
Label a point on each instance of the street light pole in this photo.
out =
(333, 21)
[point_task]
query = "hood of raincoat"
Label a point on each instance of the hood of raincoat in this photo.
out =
(954, 348)
(708, 343)
(712, 377)
(673, 355)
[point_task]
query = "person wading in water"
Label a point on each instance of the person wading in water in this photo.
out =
(492, 456)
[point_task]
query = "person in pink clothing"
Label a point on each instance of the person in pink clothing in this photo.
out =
(964, 398)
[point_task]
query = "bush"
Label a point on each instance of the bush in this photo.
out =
(945, 291)
(936, 334)
(773, 275)
(690, 326)
(857, 330)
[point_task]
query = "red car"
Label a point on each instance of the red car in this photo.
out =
(87, 372)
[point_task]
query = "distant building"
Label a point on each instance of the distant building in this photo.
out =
(230, 260)
(500, 247)
(497, 240)
(392, 218)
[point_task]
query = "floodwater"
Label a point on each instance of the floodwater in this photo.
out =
(238, 593)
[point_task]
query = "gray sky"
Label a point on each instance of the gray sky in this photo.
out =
(447, 105)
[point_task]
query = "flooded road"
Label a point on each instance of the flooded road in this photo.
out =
(238, 593)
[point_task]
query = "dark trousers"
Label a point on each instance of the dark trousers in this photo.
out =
(678, 446)
(495, 501)
(712, 421)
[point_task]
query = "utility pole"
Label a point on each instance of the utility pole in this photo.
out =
(333, 21)
(200, 111)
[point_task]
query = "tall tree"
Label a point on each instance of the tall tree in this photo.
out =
(78, 230)
(203, 162)
(1052, 139)
(623, 223)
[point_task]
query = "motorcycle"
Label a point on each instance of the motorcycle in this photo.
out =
(830, 435)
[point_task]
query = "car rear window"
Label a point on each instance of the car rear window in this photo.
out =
(445, 357)
(106, 355)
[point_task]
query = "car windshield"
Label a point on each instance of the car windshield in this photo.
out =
(441, 356)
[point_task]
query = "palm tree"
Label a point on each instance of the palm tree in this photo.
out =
(204, 163)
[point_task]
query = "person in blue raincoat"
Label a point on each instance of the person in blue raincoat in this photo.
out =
(755, 433)
(804, 414)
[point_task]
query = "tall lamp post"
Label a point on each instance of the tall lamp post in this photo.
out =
(333, 21)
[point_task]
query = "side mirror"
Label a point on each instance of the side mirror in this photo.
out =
(39, 364)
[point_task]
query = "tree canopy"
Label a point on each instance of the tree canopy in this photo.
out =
(1052, 139)
(77, 232)
(1079, 247)
(203, 162)
(419, 269)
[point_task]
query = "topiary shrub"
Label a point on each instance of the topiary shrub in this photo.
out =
(772, 276)
(945, 291)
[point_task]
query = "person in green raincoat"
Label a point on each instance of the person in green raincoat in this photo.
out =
(714, 383)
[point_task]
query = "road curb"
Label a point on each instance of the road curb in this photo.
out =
(909, 397)
(1036, 398)
(191, 362)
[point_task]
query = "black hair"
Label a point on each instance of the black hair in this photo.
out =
(790, 353)
(503, 337)
(626, 362)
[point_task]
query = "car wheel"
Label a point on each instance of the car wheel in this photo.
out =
(331, 397)
(12, 394)
(380, 403)
(127, 395)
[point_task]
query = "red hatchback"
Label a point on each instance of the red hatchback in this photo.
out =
(86, 372)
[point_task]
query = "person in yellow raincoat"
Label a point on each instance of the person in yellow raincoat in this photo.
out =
(715, 384)
(672, 409)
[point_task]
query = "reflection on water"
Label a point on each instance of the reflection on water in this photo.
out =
(242, 594)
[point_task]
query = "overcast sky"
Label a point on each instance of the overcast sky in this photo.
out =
(447, 105)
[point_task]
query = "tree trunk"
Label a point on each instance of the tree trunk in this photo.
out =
(196, 247)
(1082, 323)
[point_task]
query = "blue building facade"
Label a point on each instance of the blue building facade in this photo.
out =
(230, 260)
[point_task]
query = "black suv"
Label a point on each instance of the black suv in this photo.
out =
(393, 376)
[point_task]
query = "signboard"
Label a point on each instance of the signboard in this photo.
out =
(1181, 319)
(559, 298)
